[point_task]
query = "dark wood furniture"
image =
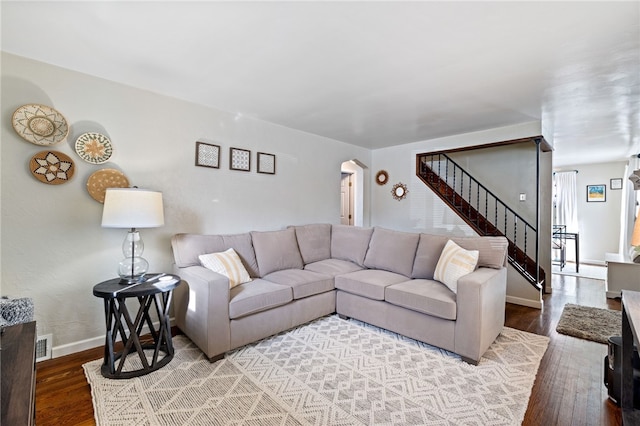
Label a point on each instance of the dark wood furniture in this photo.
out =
(154, 299)
(18, 360)
(630, 329)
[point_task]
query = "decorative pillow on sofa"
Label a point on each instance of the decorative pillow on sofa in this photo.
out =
(227, 263)
(276, 250)
(454, 263)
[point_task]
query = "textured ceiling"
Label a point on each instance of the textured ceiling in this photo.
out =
(373, 74)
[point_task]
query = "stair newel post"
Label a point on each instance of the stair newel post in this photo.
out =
(537, 141)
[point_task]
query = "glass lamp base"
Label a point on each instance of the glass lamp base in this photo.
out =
(132, 269)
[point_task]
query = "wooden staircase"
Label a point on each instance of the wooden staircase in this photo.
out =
(483, 212)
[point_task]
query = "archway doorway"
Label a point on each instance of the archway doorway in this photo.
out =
(352, 193)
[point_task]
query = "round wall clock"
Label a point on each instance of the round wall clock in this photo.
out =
(382, 177)
(399, 191)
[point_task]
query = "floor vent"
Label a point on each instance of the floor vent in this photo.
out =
(43, 347)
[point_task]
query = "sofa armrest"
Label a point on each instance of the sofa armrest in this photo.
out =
(202, 309)
(481, 299)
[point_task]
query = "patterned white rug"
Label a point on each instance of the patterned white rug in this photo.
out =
(327, 372)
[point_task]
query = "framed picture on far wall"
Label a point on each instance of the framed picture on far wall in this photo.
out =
(615, 183)
(596, 193)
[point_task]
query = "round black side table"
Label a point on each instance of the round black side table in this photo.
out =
(155, 293)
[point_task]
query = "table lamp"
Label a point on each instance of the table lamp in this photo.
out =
(132, 208)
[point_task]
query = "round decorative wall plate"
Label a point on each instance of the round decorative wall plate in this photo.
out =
(40, 124)
(382, 177)
(52, 167)
(99, 181)
(94, 148)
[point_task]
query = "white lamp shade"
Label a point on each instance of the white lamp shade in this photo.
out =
(132, 208)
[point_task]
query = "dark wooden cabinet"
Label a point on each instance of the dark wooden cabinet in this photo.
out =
(18, 374)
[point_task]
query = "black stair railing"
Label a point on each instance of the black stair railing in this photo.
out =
(483, 211)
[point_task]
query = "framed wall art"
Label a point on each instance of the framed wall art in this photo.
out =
(239, 159)
(615, 183)
(207, 155)
(266, 163)
(596, 193)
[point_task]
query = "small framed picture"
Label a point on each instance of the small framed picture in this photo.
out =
(239, 159)
(615, 183)
(596, 193)
(207, 155)
(266, 163)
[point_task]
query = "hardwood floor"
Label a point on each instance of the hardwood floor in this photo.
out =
(569, 388)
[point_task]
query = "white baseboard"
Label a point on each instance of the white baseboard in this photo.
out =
(94, 342)
(525, 302)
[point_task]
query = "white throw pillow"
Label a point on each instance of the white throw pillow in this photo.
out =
(455, 262)
(227, 263)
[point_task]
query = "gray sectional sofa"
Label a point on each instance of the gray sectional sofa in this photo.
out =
(376, 275)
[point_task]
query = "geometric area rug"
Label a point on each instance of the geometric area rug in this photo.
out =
(586, 322)
(327, 372)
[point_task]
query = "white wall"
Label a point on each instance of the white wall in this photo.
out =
(598, 223)
(53, 248)
(423, 211)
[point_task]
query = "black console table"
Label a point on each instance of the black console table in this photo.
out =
(630, 328)
(559, 242)
(154, 293)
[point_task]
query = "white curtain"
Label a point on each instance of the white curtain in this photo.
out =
(565, 200)
(629, 206)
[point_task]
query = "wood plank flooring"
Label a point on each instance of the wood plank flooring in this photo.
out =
(569, 387)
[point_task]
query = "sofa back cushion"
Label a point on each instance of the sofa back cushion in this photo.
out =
(314, 242)
(392, 251)
(276, 250)
(350, 243)
(493, 250)
(428, 253)
(187, 248)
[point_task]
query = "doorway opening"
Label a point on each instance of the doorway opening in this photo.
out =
(352, 193)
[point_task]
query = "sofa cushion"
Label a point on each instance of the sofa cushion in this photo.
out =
(314, 242)
(454, 263)
(187, 248)
(429, 249)
(392, 251)
(368, 282)
(350, 243)
(227, 263)
(304, 283)
(493, 250)
(276, 250)
(257, 296)
(332, 267)
(426, 296)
